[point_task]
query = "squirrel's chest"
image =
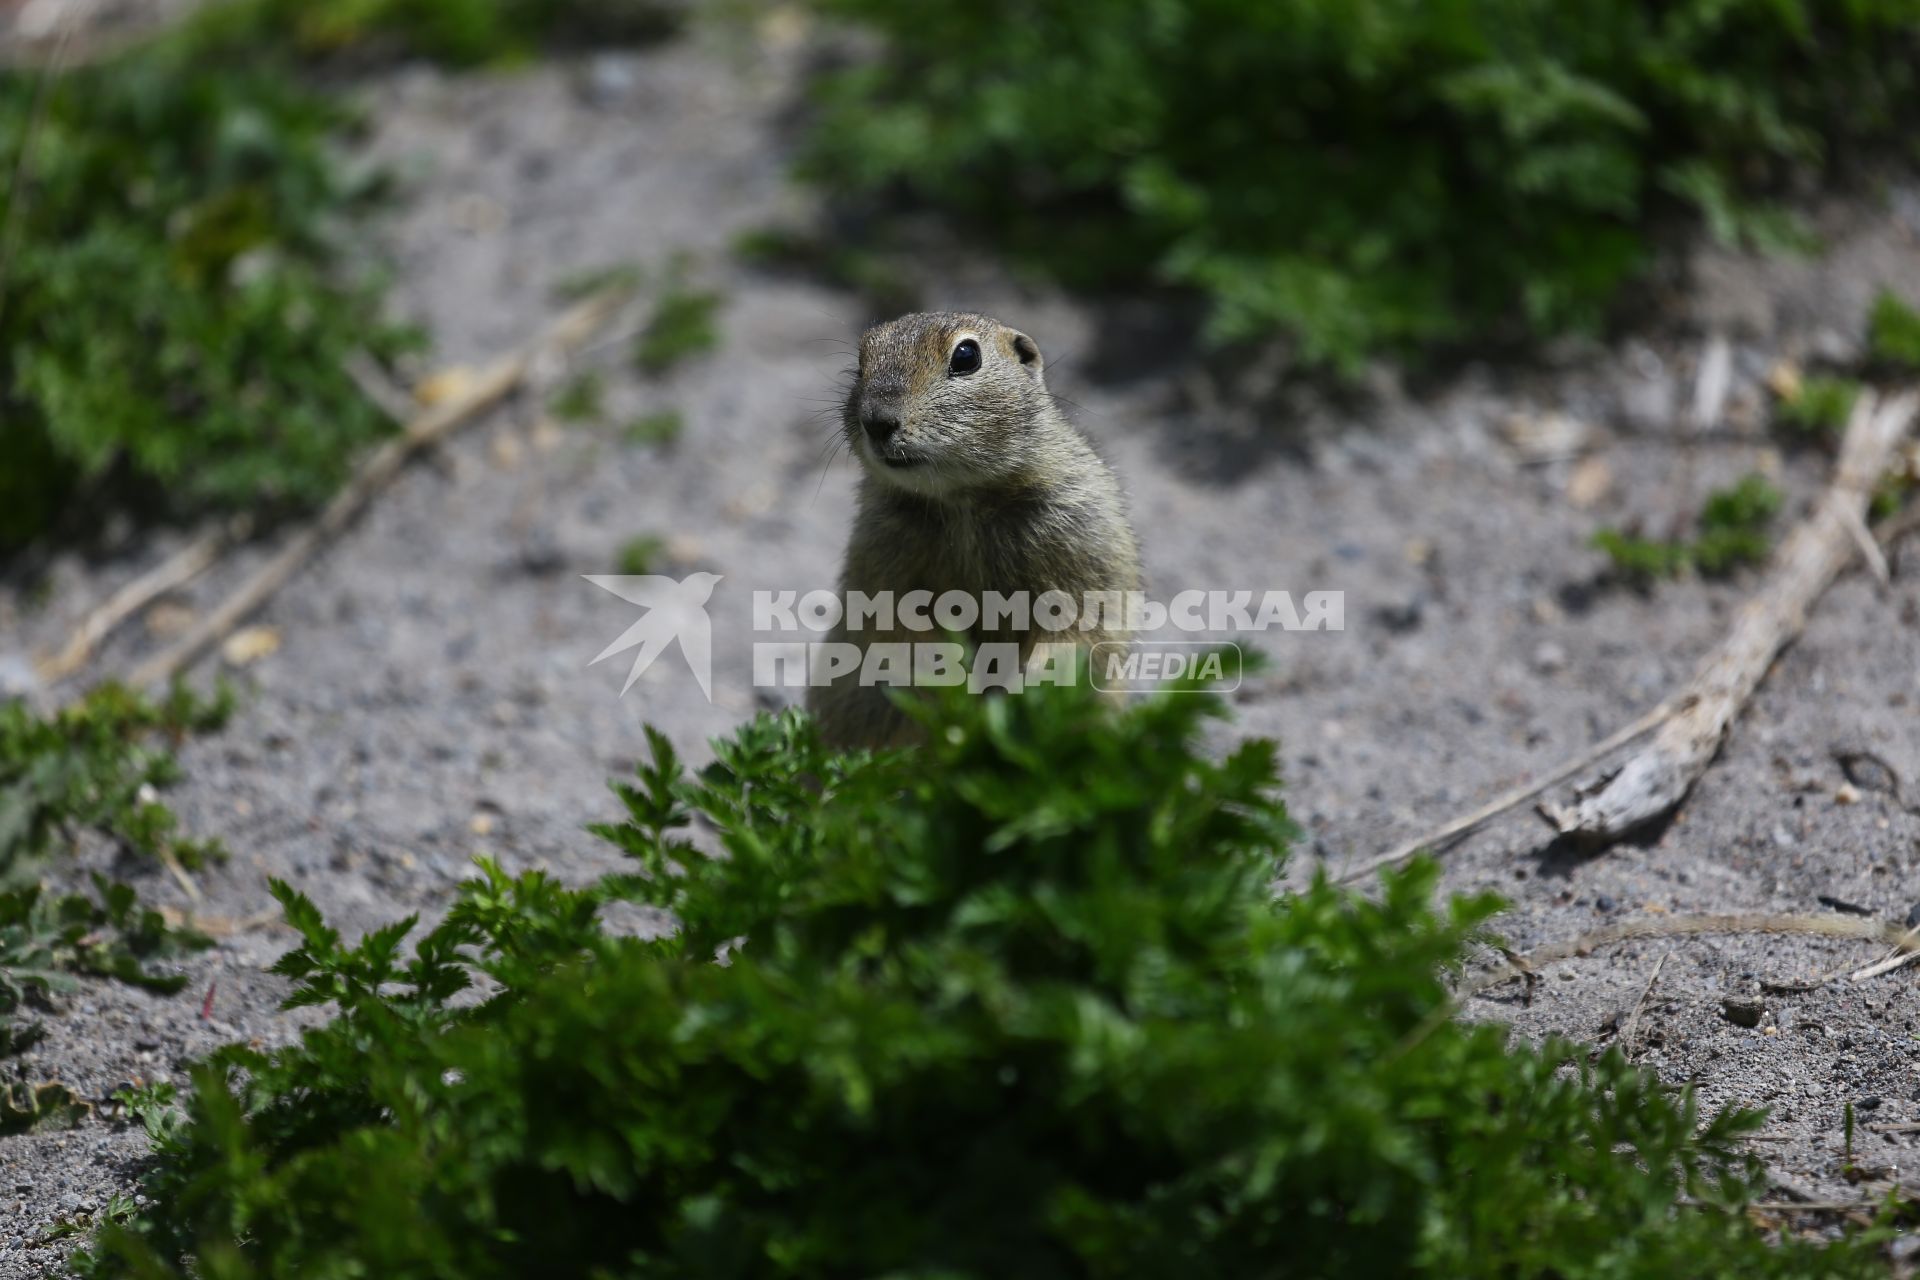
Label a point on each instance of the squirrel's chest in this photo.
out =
(973, 552)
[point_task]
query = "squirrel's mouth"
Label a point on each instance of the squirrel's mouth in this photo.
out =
(901, 463)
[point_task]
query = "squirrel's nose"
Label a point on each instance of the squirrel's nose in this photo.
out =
(880, 424)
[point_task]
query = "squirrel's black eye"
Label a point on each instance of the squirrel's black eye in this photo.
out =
(966, 358)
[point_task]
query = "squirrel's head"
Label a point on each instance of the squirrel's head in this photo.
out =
(948, 401)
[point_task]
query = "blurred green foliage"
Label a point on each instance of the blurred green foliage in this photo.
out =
(582, 399)
(661, 427)
(175, 300)
(1365, 175)
(460, 32)
(1893, 333)
(173, 319)
(1732, 533)
(683, 326)
(1820, 405)
(1021, 1003)
(641, 554)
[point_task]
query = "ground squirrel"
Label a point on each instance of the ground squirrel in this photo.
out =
(972, 481)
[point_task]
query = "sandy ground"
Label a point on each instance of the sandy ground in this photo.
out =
(432, 699)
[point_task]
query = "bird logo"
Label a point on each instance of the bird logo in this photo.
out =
(674, 611)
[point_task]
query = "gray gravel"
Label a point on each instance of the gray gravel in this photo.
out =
(431, 699)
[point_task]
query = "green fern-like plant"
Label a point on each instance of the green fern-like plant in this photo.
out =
(1018, 1003)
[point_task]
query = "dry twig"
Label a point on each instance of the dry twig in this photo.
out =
(491, 385)
(1692, 926)
(1434, 841)
(175, 571)
(1639, 1006)
(1659, 776)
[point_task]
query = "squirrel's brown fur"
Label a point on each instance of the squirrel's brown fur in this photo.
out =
(982, 486)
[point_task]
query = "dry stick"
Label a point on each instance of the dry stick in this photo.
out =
(1902, 956)
(175, 571)
(1659, 776)
(1689, 926)
(1869, 549)
(490, 386)
(1513, 799)
(1894, 1128)
(1633, 1020)
(1814, 1206)
(1886, 534)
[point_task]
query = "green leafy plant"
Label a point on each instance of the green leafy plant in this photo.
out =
(1021, 1002)
(1360, 176)
(46, 939)
(1820, 405)
(177, 318)
(1733, 526)
(683, 326)
(1893, 332)
(661, 427)
(1732, 533)
(97, 764)
(641, 554)
(175, 323)
(581, 400)
(1641, 559)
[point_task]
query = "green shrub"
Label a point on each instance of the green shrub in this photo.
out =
(1732, 533)
(177, 312)
(1020, 1003)
(1378, 174)
(175, 321)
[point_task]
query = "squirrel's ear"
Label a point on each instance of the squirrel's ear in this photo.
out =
(1029, 352)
